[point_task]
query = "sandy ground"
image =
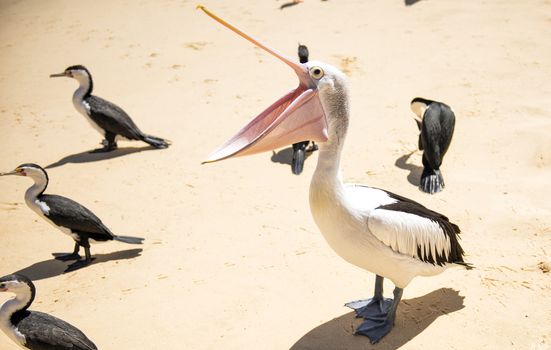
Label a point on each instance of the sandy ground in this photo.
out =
(233, 259)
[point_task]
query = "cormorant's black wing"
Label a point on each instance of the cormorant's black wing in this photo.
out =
(436, 133)
(46, 332)
(112, 118)
(68, 213)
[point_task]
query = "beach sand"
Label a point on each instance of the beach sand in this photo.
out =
(232, 257)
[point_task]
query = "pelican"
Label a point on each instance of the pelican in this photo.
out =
(379, 231)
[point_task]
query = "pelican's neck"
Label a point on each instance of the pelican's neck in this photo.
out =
(336, 107)
(84, 89)
(39, 186)
(328, 168)
(22, 300)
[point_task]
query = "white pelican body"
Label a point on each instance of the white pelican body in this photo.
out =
(342, 214)
(379, 231)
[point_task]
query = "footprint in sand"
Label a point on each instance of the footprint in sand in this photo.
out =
(197, 45)
(348, 64)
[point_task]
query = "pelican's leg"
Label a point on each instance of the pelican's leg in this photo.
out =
(375, 307)
(70, 256)
(377, 328)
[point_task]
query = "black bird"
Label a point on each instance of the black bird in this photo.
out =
(107, 118)
(436, 124)
(33, 329)
(300, 148)
(67, 215)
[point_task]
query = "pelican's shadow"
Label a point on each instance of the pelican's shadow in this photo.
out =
(415, 171)
(413, 316)
(91, 156)
(51, 268)
(285, 156)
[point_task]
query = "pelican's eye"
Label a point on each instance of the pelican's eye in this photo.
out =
(316, 73)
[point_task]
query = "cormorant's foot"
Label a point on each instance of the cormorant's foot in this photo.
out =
(312, 148)
(66, 256)
(374, 308)
(78, 265)
(375, 330)
(107, 147)
(103, 149)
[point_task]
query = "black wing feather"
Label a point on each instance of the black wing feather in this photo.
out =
(112, 118)
(436, 133)
(46, 332)
(70, 214)
(450, 229)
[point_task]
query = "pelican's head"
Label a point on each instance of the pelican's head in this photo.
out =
(302, 114)
(78, 72)
(31, 170)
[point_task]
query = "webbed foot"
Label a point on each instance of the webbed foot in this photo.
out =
(107, 147)
(78, 265)
(375, 330)
(373, 308)
(66, 256)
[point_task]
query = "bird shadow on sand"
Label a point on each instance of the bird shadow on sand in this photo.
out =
(51, 268)
(415, 171)
(285, 156)
(413, 317)
(411, 2)
(91, 156)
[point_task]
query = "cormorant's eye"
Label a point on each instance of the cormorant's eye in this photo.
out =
(316, 73)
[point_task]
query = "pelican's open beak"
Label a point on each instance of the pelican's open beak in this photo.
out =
(295, 117)
(58, 75)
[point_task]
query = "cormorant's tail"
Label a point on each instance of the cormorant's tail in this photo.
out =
(298, 161)
(129, 240)
(431, 181)
(156, 142)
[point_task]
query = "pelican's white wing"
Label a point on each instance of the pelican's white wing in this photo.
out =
(409, 228)
(409, 234)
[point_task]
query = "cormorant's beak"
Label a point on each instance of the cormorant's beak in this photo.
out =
(14, 172)
(58, 75)
(295, 117)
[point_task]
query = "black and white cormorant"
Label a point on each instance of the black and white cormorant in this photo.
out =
(107, 118)
(33, 329)
(300, 148)
(392, 236)
(436, 124)
(67, 215)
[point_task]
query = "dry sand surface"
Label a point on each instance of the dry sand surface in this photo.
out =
(232, 258)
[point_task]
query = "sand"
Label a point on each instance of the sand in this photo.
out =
(233, 259)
